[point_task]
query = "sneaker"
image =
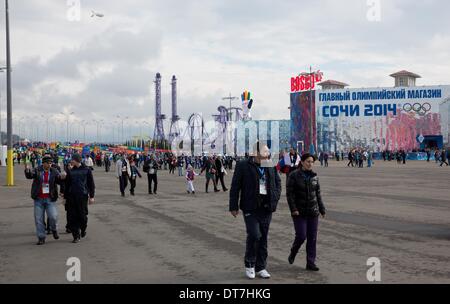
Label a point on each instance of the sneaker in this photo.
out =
(312, 267)
(55, 235)
(83, 233)
(250, 273)
(76, 240)
(41, 242)
(263, 274)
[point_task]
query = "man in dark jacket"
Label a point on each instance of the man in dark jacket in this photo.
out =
(256, 190)
(107, 162)
(44, 192)
(444, 158)
(151, 168)
(79, 188)
(220, 172)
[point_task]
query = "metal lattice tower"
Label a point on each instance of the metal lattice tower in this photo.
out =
(158, 135)
(174, 126)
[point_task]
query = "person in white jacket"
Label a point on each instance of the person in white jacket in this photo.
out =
(190, 175)
(123, 172)
(88, 162)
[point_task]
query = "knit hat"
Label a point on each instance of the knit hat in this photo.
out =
(47, 159)
(77, 158)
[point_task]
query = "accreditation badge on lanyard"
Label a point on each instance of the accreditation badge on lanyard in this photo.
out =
(45, 185)
(262, 182)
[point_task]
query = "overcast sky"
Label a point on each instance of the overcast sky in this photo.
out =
(102, 67)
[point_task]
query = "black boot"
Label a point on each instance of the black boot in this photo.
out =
(291, 257)
(55, 235)
(294, 250)
(312, 267)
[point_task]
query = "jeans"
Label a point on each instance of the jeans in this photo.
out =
(306, 229)
(209, 177)
(180, 171)
(41, 206)
(123, 182)
(257, 224)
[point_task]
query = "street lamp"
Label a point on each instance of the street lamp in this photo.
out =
(98, 122)
(10, 170)
(2, 69)
(123, 119)
(67, 124)
(83, 123)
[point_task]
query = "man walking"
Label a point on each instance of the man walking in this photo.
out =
(294, 161)
(107, 162)
(256, 190)
(123, 172)
(79, 189)
(44, 192)
(444, 158)
(220, 172)
(151, 168)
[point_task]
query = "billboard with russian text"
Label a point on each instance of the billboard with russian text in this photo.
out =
(381, 118)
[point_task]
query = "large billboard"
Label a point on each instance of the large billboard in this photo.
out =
(381, 118)
(303, 114)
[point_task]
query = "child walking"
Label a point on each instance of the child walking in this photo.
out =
(190, 174)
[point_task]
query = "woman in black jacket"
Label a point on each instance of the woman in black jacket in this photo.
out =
(305, 203)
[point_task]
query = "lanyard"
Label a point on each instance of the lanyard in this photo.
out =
(43, 177)
(261, 173)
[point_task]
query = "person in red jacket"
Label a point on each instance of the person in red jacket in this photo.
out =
(44, 192)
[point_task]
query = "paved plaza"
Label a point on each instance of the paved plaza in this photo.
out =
(399, 214)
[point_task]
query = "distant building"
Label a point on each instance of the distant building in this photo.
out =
(332, 85)
(405, 79)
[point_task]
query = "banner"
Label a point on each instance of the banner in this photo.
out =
(381, 118)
